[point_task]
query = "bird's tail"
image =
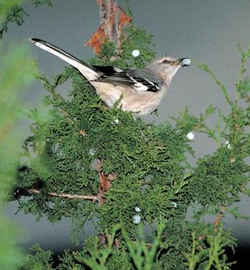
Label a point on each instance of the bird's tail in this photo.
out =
(88, 72)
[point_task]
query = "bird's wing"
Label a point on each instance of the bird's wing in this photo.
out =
(140, 80)
(107, 70)
(137, 79)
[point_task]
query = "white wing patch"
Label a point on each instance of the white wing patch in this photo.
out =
(139, 87)
(116, 69)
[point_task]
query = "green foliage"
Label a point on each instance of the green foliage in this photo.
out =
(201, 248)
(149, 159)
(208, 250)
(222, 172)
(41, 261)
(135, 38)
(219, 83)
(133, 150)
(134, 254)
(15, 13)
(142, 256)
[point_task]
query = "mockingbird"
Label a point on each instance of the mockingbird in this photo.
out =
(139, 91)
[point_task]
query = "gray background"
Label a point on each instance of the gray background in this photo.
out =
(206, 31)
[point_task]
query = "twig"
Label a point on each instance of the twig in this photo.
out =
(112, 21)
(219, 217)
(66, 195)
(107, 17)
(104, 186)
(66, 115)
(83, 133)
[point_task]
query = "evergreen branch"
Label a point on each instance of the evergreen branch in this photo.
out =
(50, 87)
(219, 83)
(66, 116)
(16, 13)
(244, 56)
(37, 3)
(88, 147)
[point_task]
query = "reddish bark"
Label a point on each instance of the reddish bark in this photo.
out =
(113, 19)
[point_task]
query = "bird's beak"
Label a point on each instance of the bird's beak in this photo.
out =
(184, 62)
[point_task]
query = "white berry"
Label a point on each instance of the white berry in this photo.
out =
(190, 136)
(174, 204)
(136, 219)
(116, 121)
(92, 151)
(137, 209)
(228, 145)
(135, 53)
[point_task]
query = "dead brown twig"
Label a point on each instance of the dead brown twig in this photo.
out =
(104, 186)
(65, 195)
(219, 217)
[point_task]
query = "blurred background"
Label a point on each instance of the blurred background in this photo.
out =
(206, 31)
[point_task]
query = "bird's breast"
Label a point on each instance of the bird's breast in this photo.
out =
(140, 103)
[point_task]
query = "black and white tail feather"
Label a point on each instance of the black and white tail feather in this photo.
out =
(86, 71)
(141, 89)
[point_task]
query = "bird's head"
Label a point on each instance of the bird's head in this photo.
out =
(167, 67)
